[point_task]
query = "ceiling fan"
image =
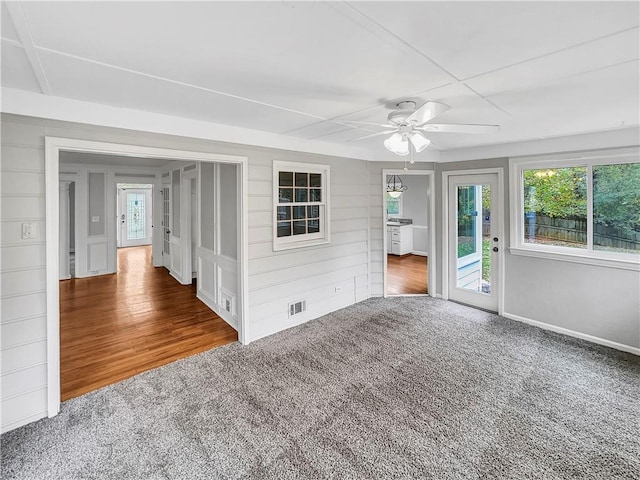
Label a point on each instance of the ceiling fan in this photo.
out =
(407, 125)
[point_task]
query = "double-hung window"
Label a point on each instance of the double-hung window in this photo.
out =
(301, 205)
(580, 207)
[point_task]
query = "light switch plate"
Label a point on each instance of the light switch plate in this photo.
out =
(29, 230)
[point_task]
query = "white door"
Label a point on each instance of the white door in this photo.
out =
(166, 226)
(175, 231)
(135, 217)
(473, 229)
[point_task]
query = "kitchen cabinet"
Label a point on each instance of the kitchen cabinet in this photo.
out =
(399, 239)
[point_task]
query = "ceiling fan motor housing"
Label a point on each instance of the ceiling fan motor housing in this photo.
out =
(398, 117)
(405, 108)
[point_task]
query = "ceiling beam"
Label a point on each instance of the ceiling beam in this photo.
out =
(16, 12)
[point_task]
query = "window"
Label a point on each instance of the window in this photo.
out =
(394, 206)
(300, 204)
(586, 208)
(555, 206)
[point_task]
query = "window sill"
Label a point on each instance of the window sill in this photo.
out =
(600, 261)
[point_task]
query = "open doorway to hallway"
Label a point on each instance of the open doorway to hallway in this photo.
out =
(407, 225)
(136, 305)
(115, 326)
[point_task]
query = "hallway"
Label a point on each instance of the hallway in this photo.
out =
(115, 326)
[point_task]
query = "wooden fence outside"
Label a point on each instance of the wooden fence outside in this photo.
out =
(574, 230)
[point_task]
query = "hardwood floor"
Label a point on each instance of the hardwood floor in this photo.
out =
(115, 326)
(406, 274)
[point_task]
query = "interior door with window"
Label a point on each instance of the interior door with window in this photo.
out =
(474, 242)
(135, 217)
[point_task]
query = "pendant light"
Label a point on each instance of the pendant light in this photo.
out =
(395, 187)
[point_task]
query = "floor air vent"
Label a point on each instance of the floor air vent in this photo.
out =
(297, 307)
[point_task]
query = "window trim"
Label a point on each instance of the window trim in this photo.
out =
(308, 239)
(589, 256)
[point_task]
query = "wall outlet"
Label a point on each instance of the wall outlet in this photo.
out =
(29, 230)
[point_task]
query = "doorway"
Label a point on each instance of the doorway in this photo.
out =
(134, 214)
(408, 219)
(474, 233)
(53, 147)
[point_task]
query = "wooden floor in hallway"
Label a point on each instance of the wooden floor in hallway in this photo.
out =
(407, 274)
(115, 326)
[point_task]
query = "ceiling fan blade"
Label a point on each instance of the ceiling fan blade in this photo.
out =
(458, 128)
(427, 111)
(373, 135)
(386, 125)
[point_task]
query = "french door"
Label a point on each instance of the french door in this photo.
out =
(474, 215)
(135, 217)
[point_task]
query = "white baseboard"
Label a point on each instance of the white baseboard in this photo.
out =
(420, 253)
(223, 314)
(22, 421)
(573, 333)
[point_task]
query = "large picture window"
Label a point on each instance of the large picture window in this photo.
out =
(300, 204)
(587, 207)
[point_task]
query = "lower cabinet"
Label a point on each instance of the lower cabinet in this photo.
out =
(400, 239)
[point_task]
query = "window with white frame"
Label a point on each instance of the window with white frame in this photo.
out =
(301, 204)
(583, 207)
(394, 205)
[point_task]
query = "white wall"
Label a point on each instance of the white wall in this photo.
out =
(312, 273)
(274, 278)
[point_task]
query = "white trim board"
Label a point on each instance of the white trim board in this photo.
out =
(573, 333)
(53, 146)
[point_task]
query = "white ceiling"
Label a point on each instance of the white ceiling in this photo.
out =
(538, 69)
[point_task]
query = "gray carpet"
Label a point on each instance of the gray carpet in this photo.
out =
(395, 388)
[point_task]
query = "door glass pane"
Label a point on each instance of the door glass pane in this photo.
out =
(474, 238)
(136, 227)
(467, 215)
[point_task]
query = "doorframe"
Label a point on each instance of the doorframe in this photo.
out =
(501, 229)
(431, 263)
(53, 147)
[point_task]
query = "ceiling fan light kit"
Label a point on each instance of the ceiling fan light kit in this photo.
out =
(398, 144)
(406, 125)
